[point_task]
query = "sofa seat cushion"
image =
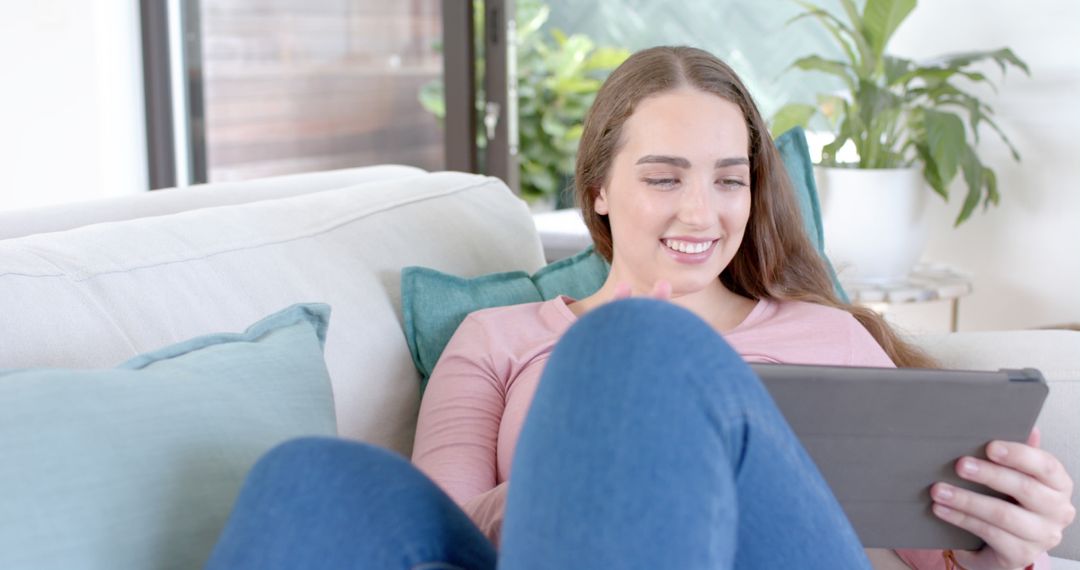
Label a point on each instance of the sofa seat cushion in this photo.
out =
(138, 466)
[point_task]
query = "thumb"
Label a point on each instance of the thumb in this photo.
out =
(1035, 438)
(622, 291)
(662, 290)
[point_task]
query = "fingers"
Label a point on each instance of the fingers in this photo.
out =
(987, 511)
(662, 290)
(1014, 533)
(1032, 461)
(1044, 504)
(1035, 439)
(1006, 545)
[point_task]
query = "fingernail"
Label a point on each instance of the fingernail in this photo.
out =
(997, 451)
(968, 466)
(942, 510)
(942, 492)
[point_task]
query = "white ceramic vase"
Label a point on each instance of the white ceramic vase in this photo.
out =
(874, 221)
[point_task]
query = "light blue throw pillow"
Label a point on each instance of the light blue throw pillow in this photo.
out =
(137, 467)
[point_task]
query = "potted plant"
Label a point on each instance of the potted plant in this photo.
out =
(558, 77)
(912, 125)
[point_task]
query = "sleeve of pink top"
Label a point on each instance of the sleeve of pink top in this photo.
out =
(458, 427)
(867, 352)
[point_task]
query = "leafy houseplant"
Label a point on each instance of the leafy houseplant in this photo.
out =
(899, 113)
(558, 77)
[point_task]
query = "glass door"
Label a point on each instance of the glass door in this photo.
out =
(299, 86)
(268, 88)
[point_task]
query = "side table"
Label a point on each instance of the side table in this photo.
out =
(927, 282)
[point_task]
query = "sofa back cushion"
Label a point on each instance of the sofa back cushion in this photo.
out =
(98, 295)
(18, 223)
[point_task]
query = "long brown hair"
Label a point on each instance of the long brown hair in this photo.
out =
(776, 259)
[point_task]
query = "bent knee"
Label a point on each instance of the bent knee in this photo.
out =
(315, 456)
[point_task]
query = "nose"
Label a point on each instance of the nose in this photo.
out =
(696, 207)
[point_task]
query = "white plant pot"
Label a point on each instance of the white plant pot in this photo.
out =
(874, 221)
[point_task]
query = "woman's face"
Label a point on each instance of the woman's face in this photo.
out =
(678, 193)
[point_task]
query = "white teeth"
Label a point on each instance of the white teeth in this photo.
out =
(687, 247)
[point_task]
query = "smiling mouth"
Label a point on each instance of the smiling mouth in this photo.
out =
(689, 247)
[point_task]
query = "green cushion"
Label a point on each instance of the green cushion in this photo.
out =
(796, 157)
(433, 303)
(138, 466)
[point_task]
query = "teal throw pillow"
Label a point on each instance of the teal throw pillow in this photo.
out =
(434, 303)
(138, 466)
(796, 156)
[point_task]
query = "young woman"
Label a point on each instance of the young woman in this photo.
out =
(648, 443)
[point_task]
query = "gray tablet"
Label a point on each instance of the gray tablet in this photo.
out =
(882, 436)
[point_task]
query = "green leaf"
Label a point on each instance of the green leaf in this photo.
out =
(573, 134)
(868, 60)
(560, 37)
(895, 69)
(852, 12)
(576, 85)
(832, 67)
(552, 127)
(934, 77)
(946, 142)
(973, 176)
(881, 18)
(542, 180)
(532, 22)
(570, 60)
(1001, 133)
(791, 115)
(841, 32)
(930, 171)
(432, 99)
(606, 58)
(877, 111)
(1002, 57)
(828, 152)
(992, 196)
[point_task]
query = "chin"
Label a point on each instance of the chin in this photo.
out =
(688, 285)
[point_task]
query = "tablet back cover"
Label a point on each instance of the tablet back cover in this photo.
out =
(881, 437)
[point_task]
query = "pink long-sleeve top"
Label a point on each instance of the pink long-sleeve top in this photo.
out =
(481, 388)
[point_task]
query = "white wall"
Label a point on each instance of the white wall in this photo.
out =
(71, 105)
(1024, 255)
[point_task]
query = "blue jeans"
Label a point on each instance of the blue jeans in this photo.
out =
(649, 444)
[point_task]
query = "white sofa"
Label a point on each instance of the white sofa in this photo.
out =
(91, 285)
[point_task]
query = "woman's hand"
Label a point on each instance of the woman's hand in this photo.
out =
(1014, 533)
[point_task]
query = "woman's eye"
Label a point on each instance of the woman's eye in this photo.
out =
(732, 182)
(661, 182)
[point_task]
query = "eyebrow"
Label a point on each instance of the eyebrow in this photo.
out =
(681, 162)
